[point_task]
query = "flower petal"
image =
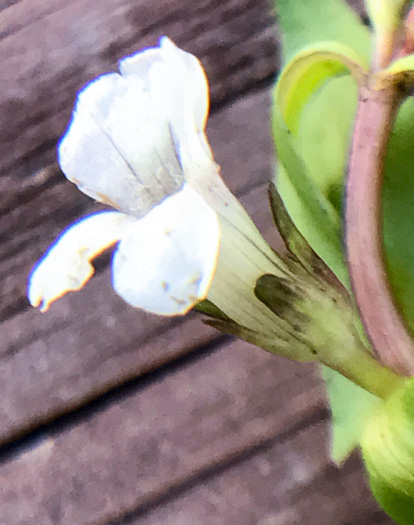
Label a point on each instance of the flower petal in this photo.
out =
(165, 263)
(66, 265)
(175, 80)
(119, 148)
(178, 88)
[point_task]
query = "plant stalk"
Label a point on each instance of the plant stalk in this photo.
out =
(379, 312)
(369, 374)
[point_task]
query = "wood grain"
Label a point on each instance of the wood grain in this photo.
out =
(123, 455)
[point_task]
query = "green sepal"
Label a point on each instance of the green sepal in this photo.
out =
(295, 242)
(321, 222)
(316, 310)
(286, 343)
(208, 308)
(308, 71)
(298, 247)
(282, 299)
(324, 317)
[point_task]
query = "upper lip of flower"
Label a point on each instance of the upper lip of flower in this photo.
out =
(134, 136)
(136, 141)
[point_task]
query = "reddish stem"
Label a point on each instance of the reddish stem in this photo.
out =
(385, 326)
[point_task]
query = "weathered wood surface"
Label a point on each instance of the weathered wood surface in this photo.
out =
(109, 415)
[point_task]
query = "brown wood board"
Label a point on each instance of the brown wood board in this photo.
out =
(127, 453)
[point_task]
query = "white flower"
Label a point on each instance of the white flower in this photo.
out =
(137, 142)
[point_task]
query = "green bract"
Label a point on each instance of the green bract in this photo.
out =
(388, 450)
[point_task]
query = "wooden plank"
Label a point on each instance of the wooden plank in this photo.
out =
(287, 481)
(238, 437)
(128, 453)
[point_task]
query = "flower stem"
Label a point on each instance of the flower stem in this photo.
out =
(364, 370)
(384, 324)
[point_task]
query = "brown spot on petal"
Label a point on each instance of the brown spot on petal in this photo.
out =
(106, 200)
(180, 302)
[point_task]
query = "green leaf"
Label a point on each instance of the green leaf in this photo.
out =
(324, 136)
(398, 208)
(350, 407)
(312, 164)
(308, 71)
(305, 22)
